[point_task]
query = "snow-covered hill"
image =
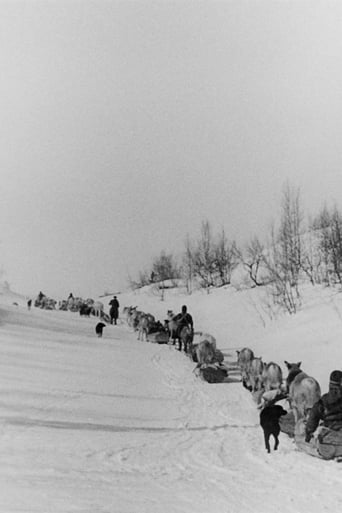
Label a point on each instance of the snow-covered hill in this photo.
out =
(118, 425)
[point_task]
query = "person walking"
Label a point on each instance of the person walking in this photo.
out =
(114, 310)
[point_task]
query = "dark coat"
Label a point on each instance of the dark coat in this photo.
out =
(329, 410)
(114, 305)
(184, 319)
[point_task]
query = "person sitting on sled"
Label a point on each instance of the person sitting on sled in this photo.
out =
(327, 415)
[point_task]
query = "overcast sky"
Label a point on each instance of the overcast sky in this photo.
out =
(124, 125)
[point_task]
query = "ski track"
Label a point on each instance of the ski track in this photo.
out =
(216, 457)
(205, 452)
(211, 456)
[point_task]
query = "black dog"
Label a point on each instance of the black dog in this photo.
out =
(99, 328)
(269, 421)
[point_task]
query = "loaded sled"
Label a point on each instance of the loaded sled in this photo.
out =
(212, 372)
(159, 337)
(325, 444)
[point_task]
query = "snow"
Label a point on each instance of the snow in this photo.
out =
(121, 426)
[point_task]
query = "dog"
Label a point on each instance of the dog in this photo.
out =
(269, 421)
(99, 329)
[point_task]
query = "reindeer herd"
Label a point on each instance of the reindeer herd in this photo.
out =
(264, 380)
(266, 383)
(85, 307)
(199, 346)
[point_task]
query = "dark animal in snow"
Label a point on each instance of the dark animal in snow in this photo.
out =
(269, 421)
(99, 328)
(85, 310)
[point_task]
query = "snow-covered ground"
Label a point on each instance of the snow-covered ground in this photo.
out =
(115, 425)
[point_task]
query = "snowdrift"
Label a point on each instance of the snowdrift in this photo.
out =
(119, 425)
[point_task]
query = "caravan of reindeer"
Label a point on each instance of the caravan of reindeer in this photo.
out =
(264, 380)
(200, 347)
(85, 307)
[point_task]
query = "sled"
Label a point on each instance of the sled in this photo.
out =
(326, 443)
(159, 337)
(212, 373)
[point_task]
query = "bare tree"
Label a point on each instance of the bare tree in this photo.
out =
(188, 264)
(311, 259)
(290, 237)
(336, 244)
(328, 229)
(320, 230)
(225, 258)
(322, 224)
(284, 258)
(252, 259)
(142, 280)
(164, 268)
(279, 284)
(204, 257)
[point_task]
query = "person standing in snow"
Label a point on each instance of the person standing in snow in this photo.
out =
(70, 301)
(114, 310)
